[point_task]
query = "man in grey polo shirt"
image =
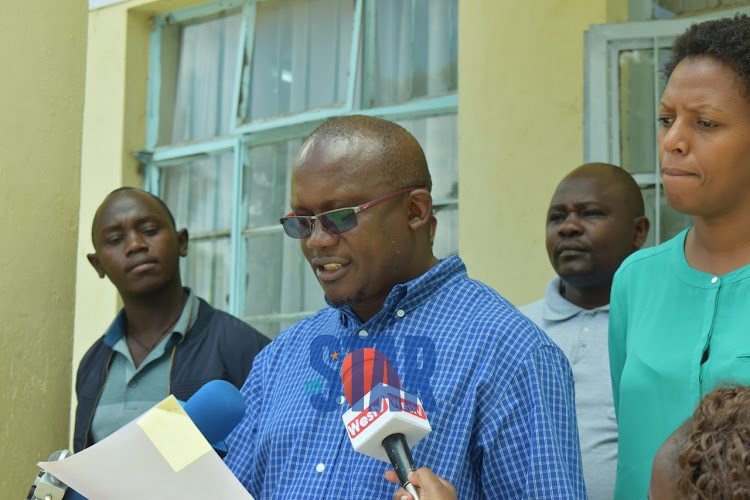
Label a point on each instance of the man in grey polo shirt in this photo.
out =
(595, 220)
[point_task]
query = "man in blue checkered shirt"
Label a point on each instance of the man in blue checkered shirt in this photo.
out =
(497, 391)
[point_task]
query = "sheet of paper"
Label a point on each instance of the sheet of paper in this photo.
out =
(156, 456)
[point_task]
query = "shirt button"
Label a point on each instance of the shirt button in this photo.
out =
(363, 334)
(586, 329)
(340, 400)
(132, 383)
(320, 468)
(714, 279)
(400, 313)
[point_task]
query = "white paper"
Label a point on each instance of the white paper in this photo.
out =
(128, 465)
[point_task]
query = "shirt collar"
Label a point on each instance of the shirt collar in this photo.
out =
(558, 308)
(412, 294)
(189, 315)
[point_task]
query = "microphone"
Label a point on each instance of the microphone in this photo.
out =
(383, 421)
(215, 409)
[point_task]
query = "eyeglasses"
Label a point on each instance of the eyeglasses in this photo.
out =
(335, 221)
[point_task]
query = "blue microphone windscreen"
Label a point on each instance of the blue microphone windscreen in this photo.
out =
(216, 409)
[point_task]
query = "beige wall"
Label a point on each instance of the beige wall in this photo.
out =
(520, 109)
(41, 97)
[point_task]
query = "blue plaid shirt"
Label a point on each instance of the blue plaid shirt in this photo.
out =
(497, 392)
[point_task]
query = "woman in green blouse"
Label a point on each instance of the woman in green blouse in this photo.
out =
(680, 312)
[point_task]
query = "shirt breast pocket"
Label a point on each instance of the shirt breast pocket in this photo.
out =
(728, 370)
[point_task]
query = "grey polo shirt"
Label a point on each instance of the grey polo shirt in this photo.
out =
(129, 391)
(582, 335)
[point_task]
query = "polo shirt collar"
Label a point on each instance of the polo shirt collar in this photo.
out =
(557, 307)
(189, 315)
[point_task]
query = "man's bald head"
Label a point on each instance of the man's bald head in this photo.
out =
(614, 175)
(401, 159)
(131, 191)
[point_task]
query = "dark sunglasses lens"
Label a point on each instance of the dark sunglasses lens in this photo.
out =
(339, 221)
(297, 227)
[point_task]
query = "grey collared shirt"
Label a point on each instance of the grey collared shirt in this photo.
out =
(130, 391)
(582, 335)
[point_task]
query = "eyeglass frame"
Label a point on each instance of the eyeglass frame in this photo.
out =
(355, 211)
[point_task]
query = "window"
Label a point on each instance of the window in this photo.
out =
(683, 7)
(236, 86)
(623, 85)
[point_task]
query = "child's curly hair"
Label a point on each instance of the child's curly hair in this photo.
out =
(715, 463)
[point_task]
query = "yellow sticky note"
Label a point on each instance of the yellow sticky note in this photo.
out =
(174, 434)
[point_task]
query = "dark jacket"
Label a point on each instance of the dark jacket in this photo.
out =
(218, 346)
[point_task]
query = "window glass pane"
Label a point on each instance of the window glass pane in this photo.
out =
(637, 111)
(265, 195)
(438, 136)
(270, 328)
(446, 233)
(278, 279)
(198, 76)
(264, 259)
(638, 107)
(199, 193)
(300, 56)
(411, 51)
(206, 270)
(681, 7)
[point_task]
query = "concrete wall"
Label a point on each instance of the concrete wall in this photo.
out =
(520, 130)
(41, 95)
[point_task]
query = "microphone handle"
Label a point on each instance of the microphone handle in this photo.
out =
(400, 457)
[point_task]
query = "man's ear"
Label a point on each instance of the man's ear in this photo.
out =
(642, 225)
(94, 260)
(420, 209)
(182, 242)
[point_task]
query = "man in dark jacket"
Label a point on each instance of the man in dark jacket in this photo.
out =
(165, 340)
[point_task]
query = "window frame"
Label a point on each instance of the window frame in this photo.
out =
(242, 135)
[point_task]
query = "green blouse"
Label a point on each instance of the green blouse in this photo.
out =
(675, 333)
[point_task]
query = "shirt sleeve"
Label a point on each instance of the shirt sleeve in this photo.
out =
(530, 441)
(617, 336)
